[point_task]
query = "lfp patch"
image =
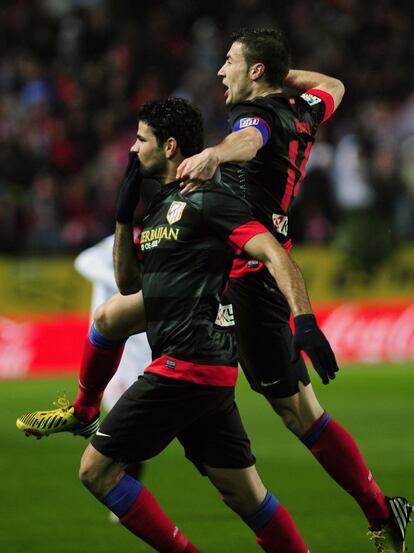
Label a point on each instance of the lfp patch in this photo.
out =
(311, 99)
(257, 122)
(248, 122)
(175, 212)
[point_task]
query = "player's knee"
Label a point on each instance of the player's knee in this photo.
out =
(98, 473)
(102, 320)
(95, 479)
(296, 416)
(298, 422)
(238, 501)
(291, 420)
(89, 476)
(112, 321)
(232, 500)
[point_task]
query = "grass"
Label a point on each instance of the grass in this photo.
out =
(44, 509)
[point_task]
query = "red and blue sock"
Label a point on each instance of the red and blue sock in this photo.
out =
(274, 528)
(338, 453)
(100, 359)
(138, 510)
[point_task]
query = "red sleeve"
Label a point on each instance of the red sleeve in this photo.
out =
(326, 99)
(242, 234)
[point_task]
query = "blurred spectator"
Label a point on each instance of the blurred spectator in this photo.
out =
(43, 225)
(387, 186)
(350, 174)
(74, 72)
(404, 216)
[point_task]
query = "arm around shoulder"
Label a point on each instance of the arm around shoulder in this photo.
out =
(237, 147)
(308, 336)
(283, 269)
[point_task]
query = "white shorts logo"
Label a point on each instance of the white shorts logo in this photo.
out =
(311, 99)
(266, 384)
(98, 433)
(175, 212)
(225, 316)
(280, 223)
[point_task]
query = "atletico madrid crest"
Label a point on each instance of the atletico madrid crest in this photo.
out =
(175, 212)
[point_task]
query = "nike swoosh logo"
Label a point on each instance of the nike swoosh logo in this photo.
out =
(265, 384)
(102, 434)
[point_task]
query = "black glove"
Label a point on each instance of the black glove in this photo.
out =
(130, 191)
(310, 338)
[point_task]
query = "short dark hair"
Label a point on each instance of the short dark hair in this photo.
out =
(177, 118)
(267, 46)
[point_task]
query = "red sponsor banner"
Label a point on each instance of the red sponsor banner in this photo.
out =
(52, 345)
(41, 346)
(370, 333)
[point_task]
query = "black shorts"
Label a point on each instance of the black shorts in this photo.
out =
(156, 409)
(263, 334)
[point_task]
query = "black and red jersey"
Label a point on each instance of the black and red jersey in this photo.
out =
(188, 244)
(271, 180)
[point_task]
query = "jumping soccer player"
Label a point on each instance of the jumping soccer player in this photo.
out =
(263, 159)
(187, 392)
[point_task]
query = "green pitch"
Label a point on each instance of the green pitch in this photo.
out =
(44, 509)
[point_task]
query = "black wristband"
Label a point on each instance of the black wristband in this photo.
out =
(307, 320)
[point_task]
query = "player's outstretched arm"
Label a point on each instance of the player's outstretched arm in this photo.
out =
(283, 269)
(126, 267)
(237, 146)
(308, 336)
(306, 80)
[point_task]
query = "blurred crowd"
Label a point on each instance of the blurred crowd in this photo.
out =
(73, 73)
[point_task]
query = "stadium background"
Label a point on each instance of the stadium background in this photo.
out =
(72, 75)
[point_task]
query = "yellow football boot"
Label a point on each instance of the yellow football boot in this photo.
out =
(62, 419)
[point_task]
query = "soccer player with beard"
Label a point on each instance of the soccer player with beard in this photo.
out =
(263, 158)
(187, 392)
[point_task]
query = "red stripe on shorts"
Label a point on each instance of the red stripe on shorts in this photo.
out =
(208, 375)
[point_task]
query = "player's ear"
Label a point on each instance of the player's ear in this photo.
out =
(257, 71)
(170, 147)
